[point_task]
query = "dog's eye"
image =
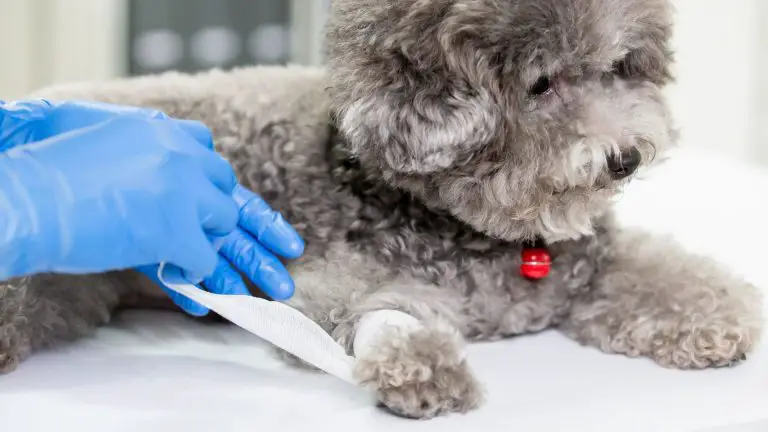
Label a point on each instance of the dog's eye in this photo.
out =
(542, 86)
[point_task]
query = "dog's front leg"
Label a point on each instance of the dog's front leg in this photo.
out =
(652, 298)
(410, 349)
(405, 334)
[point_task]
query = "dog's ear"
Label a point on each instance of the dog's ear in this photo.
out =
(403, 91)
(417, 132)
(648, 40)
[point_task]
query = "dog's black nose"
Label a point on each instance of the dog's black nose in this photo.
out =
(623, 165)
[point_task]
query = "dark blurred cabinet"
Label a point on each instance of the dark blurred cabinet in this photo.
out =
(192, 35)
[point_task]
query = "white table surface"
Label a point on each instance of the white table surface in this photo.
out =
(162, 372)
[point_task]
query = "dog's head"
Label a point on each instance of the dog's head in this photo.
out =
(523, 118)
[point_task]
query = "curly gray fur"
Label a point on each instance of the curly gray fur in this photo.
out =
(443, 136)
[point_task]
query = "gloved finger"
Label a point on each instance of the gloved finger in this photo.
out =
(225, 280)
(191, 307)
(218, 212)
(197, 130)
(266, 225)
(261, 266)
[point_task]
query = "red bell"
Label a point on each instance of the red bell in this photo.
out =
(536, 263)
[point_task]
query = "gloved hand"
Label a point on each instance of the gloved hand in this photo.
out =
(113, 174)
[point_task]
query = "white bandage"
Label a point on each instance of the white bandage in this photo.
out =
(381, 323)
(275, 322)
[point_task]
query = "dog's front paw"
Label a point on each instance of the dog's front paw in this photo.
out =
(420, 375)
(697, 347)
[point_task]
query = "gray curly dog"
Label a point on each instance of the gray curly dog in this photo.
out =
(443, 137)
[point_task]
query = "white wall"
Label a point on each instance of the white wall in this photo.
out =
(718, 54)
(721, 50)
(52, 41)
(761, 85)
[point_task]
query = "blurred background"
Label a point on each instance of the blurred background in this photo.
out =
(722, 49)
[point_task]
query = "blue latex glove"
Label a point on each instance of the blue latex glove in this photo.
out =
(132, 164)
